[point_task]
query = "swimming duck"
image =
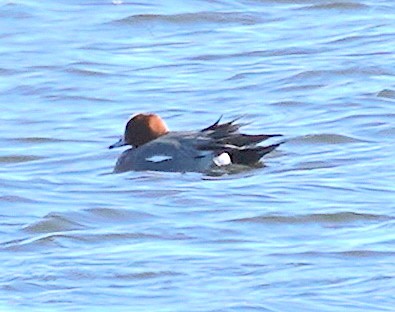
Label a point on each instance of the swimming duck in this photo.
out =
(156, 148)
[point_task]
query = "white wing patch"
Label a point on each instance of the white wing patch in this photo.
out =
(158, 158)
(222, 160)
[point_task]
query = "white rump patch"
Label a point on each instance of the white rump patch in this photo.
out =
(222, 160)
(158, 158)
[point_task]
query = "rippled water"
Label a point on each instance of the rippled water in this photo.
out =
(313, 230)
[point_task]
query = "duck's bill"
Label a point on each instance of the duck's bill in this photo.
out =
(120, 143)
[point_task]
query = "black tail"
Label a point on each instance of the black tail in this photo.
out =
(228, 133)
(242, 148)
(250, 155)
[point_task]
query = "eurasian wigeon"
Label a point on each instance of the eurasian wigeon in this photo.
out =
(156, 148)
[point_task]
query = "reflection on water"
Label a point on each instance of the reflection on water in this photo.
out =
(310, 229)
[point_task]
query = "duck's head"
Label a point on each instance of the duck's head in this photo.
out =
(141, 129)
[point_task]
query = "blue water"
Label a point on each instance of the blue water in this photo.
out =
(312, 230)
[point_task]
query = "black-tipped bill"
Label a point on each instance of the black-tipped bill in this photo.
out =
(120, 143)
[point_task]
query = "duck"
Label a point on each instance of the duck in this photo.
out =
(155, 148)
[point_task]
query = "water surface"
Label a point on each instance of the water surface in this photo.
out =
(312, 230)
